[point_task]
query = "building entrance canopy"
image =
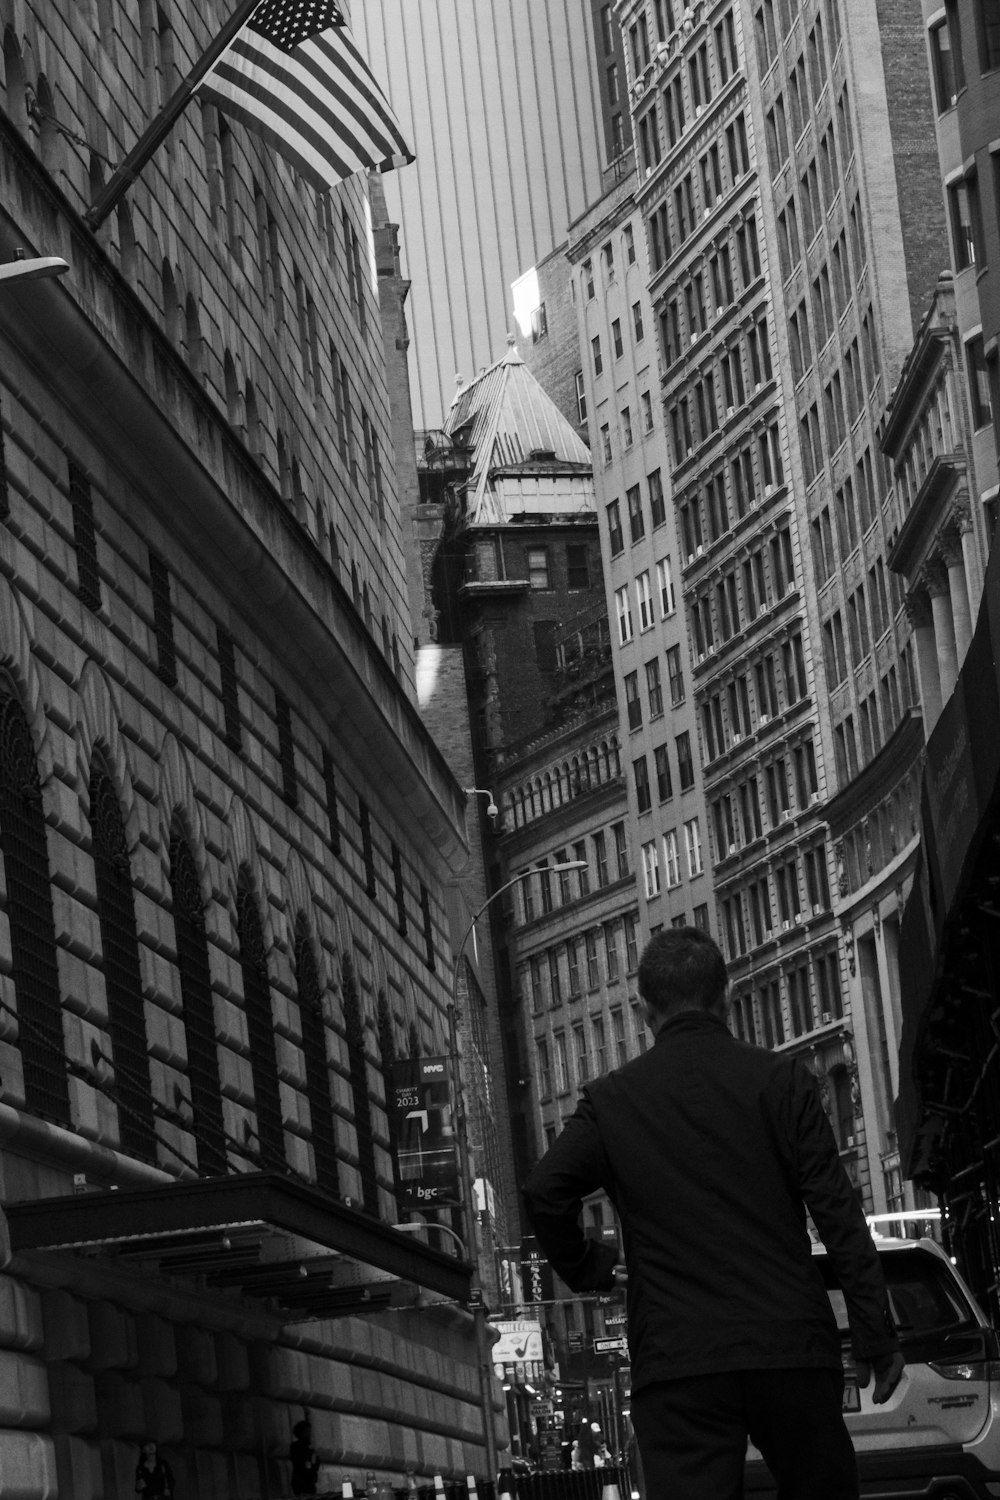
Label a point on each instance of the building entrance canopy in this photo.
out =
(950, 934)
(261, 1236)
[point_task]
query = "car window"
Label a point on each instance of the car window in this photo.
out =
(924, 1297)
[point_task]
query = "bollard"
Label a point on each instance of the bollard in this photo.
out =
(438, 1487)
(505, 1485)
(610, 1490)
(347, 1490)
(470, 1486)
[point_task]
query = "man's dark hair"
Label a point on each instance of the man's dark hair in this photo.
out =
(682, 969)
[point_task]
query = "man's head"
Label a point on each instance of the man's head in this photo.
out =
(681, 969)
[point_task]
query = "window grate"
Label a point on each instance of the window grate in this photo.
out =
(4, 489)
(163, 620)
(286, 749)
(229, 690)
(354, 1025)
(199, 1012)
(425, 911)
(84, 537)
(332, 805)
(367, 847)
(324, 1137)
(260, 1031)
(397, 877)
(30, 921)
(122, 975)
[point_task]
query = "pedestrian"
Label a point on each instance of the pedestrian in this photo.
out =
(154, 1478)
(712, 1151)
(305, 1460)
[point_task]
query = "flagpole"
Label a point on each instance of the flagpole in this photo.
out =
(159, 128)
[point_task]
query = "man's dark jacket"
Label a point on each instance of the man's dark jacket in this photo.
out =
(711, 1151)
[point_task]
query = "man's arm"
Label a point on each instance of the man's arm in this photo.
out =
(837, 1213)
(573, 1167)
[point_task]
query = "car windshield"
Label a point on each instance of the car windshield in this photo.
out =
(924, 1297)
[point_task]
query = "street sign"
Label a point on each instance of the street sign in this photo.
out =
(424, 1120)
(541, 1408)
(610, 1346)
(610, 1319)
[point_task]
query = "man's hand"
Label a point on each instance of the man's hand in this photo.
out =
(888, 1373)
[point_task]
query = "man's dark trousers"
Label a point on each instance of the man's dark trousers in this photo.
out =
(692, 1434)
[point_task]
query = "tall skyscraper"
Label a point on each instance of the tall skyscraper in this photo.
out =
(787, 185)
(504, 112)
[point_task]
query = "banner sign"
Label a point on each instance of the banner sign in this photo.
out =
(536, 1273)
(520, 1340)
(424, 1118)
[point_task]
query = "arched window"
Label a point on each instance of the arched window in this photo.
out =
(126, 241)
(50, 141)
(29, 919)
(192, 336)
(199, 1013)
(171, 305)
(16, 94)
(260, 1028)
(324, 1137)
(122, 974)
(358, 1063)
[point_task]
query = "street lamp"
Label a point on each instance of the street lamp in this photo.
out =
(476, 1302)
(32, 270)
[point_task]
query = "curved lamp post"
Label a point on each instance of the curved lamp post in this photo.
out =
(476, 1302)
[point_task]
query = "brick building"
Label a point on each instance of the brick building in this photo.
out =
(227, 836)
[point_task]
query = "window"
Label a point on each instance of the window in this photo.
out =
(644, 600)
(665, 587)
(675, 674)
(640, 772)
(611, 958)
(581, 399)
(657, 504)
(573, 965)
(966, 224)
(163, 620)
(588, 280)
(555, 980)
(606, 442)
(946, 63)
(618, 1032)
(616, 337)
(692, 846)
(593, 967)
(654, 689)
(538, 567)
(685, 764)
(650, 870)
(989, 34)
(671, 858)
(726, 55)
(621, 849)
(544, 1067)
(580, 855)
(286, 749)
(616, 538)
(979, 382)
(577, 566)
(661, 766)
(595, 349)
(638, 328)
(633, 703)
(626, 416)
(636, 522)
(539, 323)
(646, 406)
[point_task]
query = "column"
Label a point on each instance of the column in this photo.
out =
(935, 580)
(918, 609)
(958, 588)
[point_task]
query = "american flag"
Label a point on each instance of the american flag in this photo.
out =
(295, 77)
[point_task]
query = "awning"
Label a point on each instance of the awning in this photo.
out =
(259, 1235)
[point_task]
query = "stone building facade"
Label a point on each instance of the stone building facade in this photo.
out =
(226, 835)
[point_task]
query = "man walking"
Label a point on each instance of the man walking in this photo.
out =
(711, 1151)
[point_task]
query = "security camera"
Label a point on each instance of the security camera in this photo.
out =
(493, 811)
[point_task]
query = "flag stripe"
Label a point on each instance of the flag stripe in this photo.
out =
(319, 105)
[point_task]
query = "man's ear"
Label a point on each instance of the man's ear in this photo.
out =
(653, 1018)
